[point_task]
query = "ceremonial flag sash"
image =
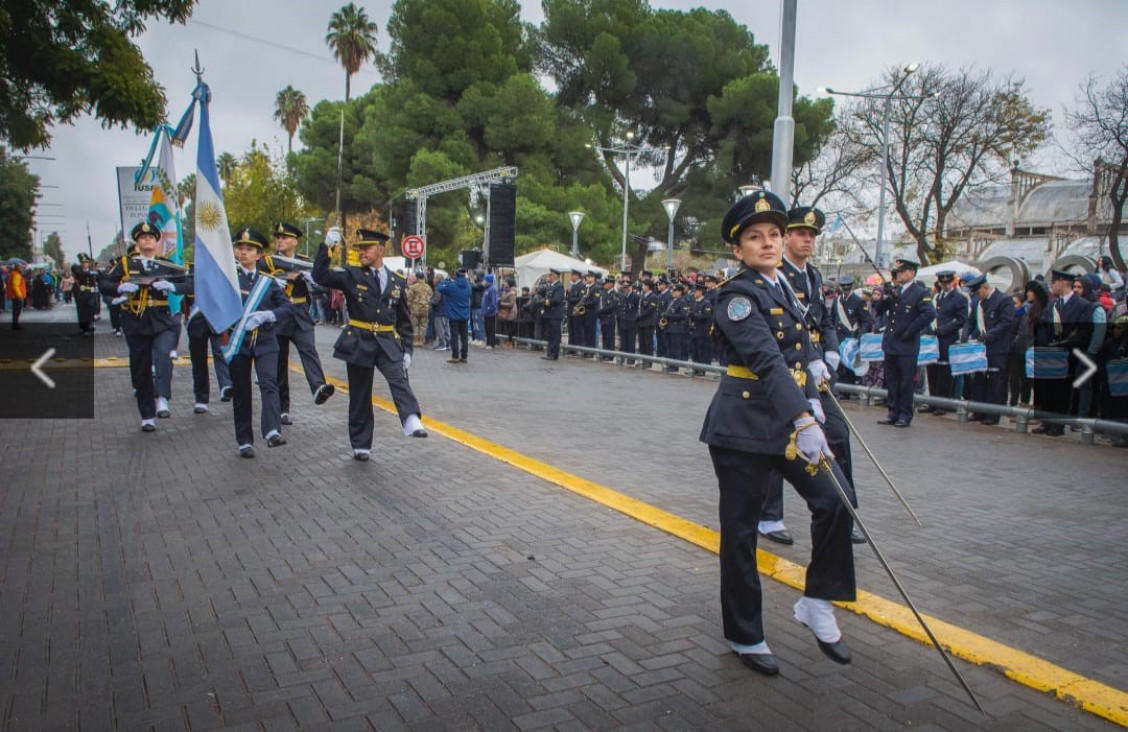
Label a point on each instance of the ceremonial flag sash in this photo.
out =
(929, 350)
(967, 358)
(1046, 363)
(235, 338)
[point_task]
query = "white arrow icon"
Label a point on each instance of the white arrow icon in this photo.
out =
(1090, 368)
(35, 368)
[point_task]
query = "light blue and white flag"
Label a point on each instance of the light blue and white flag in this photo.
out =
(216, 281)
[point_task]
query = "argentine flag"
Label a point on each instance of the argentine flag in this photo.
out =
(216, 281)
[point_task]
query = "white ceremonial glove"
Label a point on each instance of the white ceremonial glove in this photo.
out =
(118, 300)
(258, 319)
(127, 288)
(406, 361)
(308, 277)
(818, 370)
(333, 236)
(832, 358)
(817, 410)
(163, 286)
(811, 442)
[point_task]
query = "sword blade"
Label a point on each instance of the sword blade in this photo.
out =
(825, 464)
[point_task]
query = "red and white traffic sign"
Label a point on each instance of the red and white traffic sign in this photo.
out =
(413, 246)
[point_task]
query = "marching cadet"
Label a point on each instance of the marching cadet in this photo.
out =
(85, 292)
(909, 307)
(627, 323)
(806, 282)
(576, 292)
(700, 321)
(991, 323)
(378, 335)
(552, 314)
(300, 329)
(608, 314)
(593, 295)
(647, 320)
(676, 317)
(266, 308)
(951, 319)
(766, 408)
(149, 326)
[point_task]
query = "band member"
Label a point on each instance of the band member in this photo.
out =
(628, 312)
(675, 324)
(700, 323)
(259, 347)
(591, 301)
(647, 319)
(765, 408)
(378, 335)
(300, 329)
(909, 307)
(552, 314)
(85, 292)
(149, 326)
(576, 320)
(608, 313)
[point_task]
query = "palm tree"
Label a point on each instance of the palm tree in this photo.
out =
(353, 40)
(290, 108)
(225, 165)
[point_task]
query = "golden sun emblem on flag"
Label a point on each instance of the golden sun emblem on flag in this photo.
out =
(209, 216)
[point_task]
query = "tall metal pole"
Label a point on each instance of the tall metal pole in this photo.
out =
(340, 176)
(626, 194)
(884, 178)
(783, 137)
(671, 205)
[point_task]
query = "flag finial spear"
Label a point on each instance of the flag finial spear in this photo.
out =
(197, 69)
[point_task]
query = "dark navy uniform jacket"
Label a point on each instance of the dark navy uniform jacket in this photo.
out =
(677, 315)
(146, 311)
(1076, 319)
(700, 316)
(909, 313)
(648, 310)
(857, 310)
(609, 305)
(765, 339)
(264, 338)
(576, 292)
(591, 298)
(808, 289)
(628, 307)
(367, 304)
(998, 317)
(298, 293)
(951, 318)
(554, 301)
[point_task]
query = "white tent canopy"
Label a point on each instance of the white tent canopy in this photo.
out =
(532, 266)
(927, 275)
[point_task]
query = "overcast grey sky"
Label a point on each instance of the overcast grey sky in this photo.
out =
(251, 49)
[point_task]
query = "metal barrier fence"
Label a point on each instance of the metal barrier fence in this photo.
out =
(1022, 416)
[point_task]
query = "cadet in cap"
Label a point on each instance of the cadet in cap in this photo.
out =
(946, 275)
(369, 237)
(806, 217)
(975, 282)
(144, 228)
(751, 209)
(556, 272)
(903, 264)
(251, 237)
(285, 229)
(846, 281)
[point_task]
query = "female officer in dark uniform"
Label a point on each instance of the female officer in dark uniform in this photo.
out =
(766, 403)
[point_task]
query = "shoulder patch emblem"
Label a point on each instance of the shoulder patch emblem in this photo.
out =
(739, 308)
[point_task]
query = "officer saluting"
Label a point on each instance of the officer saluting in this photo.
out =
(300, 329)
(764, 408)
(909, 307)
(378, 334)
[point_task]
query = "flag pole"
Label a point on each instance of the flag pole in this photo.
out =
(340, 174)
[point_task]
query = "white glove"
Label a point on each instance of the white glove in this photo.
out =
(406, 361)
(817, 410)
(127, 288)
(333, 236)
(832, 358)
(308, 277)
(818, 370)
(163, 286)
(811, 442)
(257, 319)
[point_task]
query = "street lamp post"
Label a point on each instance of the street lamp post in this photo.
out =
(307, 222)
(576, 217)
(888, 98)
(671, 205)
(628, 149)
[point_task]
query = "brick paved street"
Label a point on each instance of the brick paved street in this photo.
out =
(160, 581)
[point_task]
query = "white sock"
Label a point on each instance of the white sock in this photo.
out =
(411, 424)
(150, 422)
(756, 649)
(201, 406)
(273, 433)
(818, 615)
(767, 527)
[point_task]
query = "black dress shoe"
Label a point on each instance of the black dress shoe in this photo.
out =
(939, 412)
(246, 452)
(926, 409)
(974, 418)
(419, 433)
(901, 423)
(990, 421)
(148, 428)
(783, 536)
(286, 418)
(761, 663)
(360, 456)
(225, 394)
(323, 393)
(838, 651)
(550, 358)
(1049, 430)
(275, 441)
(887, 421)
(856, 538)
